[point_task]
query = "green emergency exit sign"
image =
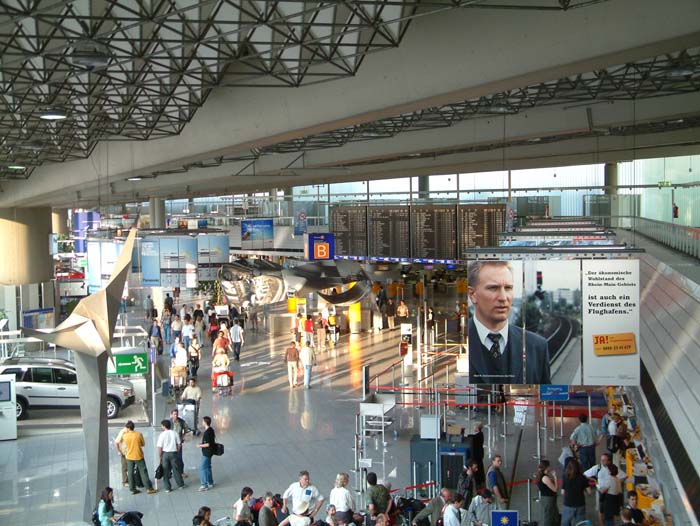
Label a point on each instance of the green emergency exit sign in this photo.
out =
(128, 364)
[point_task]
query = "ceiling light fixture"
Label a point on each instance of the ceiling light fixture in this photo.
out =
(53, 114)
(16, 167)
(137, 178)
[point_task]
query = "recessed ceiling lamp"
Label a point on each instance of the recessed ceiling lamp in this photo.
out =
(53, 114)
(136, 178)
(17, 167)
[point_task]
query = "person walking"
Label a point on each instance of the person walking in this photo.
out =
(194, 355)
(390, 311)
(309, 331)
(307, 357)
(208, 446)
(169, 446)
(547, 485)
(133, 442)
(291, 356)
(321, 324)
(165, 321)
(237, 339)
(402, 312)
(148, 307)
(155, 337)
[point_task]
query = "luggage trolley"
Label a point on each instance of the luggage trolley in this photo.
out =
(189, 411)
(178, 380)
(223, 381)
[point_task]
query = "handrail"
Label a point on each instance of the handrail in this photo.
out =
(682, 238)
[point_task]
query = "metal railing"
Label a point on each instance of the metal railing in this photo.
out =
(684, 239)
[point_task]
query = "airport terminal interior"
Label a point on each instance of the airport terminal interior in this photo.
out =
(487, 211)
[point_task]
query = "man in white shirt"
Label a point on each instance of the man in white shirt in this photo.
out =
(452, 515)
(601, 474)
(168, 447)
(303, 491)
(237, 339)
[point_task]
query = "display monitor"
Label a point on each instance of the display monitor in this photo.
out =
(5, 392)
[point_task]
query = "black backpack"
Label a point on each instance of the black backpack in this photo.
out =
(96, 518)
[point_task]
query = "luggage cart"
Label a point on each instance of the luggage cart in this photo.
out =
(189, 411)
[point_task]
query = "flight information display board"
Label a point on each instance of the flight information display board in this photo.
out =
(349, 224)
(480, 225)
(434, 231)
(389, 231)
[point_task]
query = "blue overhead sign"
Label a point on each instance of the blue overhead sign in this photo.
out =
(554, 393)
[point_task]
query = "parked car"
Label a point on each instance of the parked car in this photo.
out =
(68, 273)
(53, 383)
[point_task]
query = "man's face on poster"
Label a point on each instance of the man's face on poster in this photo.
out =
(492, 295)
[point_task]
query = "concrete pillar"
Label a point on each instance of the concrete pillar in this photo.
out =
(59, 221)
(424, 187)
(156, 209)
(25, 235)
(610, 178)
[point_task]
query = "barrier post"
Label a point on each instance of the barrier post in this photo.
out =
(590, 411)
(561, 421)
(415, 480)
(430, 478)
(554, 422)
(505, 420)
(529, 500)
(544, 418)
(539, 443)
(393, 377)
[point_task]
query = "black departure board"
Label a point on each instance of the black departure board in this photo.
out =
(434, 231)
(349, 224)
(389, 231)
(479, 225)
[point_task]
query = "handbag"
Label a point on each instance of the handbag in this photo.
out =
(159, 472)
(218, 449)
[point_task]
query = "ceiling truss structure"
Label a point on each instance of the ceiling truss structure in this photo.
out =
(670, 74)
(140, 69)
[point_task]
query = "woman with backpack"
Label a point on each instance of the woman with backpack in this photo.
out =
(106, 514)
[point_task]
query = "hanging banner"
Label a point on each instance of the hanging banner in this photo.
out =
(150, 262)
(611, 322)
(300, 223)
(257, 234)
(212, 252)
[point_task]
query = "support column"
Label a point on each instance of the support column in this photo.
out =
(156, 209)
(610, 178)
(25, 234)
(59, 221)
(424, 187)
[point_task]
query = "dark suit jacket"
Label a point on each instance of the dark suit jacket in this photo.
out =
(266, 517)
(536, 356)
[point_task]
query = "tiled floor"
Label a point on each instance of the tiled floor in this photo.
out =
(270, 433)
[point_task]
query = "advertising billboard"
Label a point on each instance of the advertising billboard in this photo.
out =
(257, 234)
(567, 322)
(611, 322)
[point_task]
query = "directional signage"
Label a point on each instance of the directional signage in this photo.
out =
(554, 393)
(136, 363)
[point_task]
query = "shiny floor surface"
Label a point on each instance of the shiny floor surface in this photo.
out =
(270, 433)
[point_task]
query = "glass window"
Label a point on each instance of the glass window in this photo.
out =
(18, 372)
(64, 376)
(42, 375)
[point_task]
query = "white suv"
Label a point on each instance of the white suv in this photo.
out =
(53, 383)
